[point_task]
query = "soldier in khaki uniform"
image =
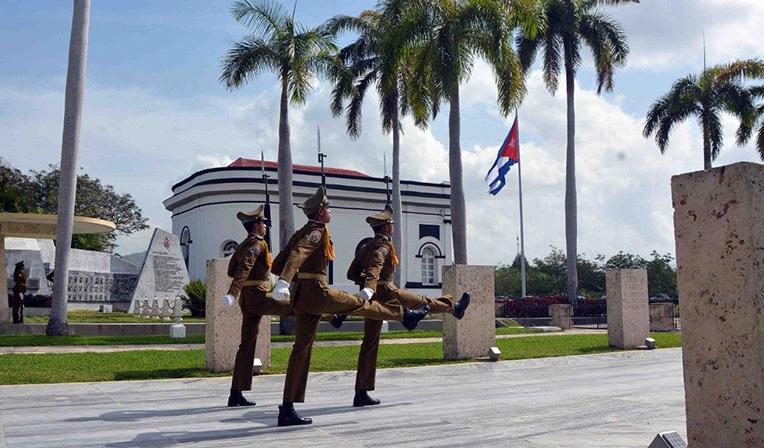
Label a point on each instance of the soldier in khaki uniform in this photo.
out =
(19, 288)
(250, 269)
(304, 262)
(373, 269)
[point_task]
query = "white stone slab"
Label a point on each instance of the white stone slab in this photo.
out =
(628, 318)
(475, 333)
(163, 273)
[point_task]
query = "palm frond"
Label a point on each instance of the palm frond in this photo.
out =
(262, 17)
(248, 58)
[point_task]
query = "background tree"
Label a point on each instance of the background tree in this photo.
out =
(705, 97)
(374, 58)
(570, 24)
(296, 54)
(39, 194)
(448, 36)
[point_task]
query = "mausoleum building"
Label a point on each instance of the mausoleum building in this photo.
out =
(204, 207)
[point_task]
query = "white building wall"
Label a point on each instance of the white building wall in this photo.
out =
(209, 201)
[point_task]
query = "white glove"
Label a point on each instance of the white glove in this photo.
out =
(228, 300)
(281, 291)
(366, 293)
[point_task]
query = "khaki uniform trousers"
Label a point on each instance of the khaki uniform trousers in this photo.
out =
(372, 329)
(255, 303)
(311, 299)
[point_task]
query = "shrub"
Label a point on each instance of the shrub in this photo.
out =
(195, 301)
(532, 306)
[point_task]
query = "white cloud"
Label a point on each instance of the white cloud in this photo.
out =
(664, 34)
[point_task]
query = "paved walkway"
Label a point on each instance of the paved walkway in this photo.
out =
(125, 348)
(609, 400)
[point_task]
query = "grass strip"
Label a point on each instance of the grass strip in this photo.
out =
(146, 364)
(97, 317)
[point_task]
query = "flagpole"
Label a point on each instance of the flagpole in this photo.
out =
(522, 230)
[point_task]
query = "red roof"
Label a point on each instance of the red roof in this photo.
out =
(252, 163)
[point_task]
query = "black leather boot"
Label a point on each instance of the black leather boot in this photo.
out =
(411, 318)
(289, 417)
(237, 399)
(362, 398)
(461, 305)
(337, 320)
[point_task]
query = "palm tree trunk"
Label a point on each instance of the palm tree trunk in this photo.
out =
(571, 212)
(286, 217)
(706, 143)
(397, 204)
(458, 207)
(70, 148)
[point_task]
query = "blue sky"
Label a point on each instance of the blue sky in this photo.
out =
(155, 112)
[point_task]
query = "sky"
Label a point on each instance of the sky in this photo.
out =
(155, 112)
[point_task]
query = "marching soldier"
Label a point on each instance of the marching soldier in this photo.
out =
(373, 269)
(304, 264)
(250, 269)
(19, 288)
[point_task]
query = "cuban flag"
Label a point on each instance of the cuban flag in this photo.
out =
(509, 154)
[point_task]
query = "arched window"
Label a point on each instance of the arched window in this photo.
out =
(185, 242)
(429, 266)
(228, 248)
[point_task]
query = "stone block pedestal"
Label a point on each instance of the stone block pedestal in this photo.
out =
(223, 329)
(177, 331)
(662, 316)
(475, 333)
(719, 230)
(561, 316)
(628, 321)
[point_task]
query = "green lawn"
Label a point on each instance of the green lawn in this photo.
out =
(48, 368)
(96, 317)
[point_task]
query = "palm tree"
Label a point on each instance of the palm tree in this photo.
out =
(70, 147)
(447, 36)
(376, 57)
(570, 24)
(717, 89)
(297, 54)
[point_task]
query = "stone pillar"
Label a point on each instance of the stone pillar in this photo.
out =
(628, 320)
(561, 315)
(475, 333)
(223, 325)
(719, 230)
(5, 310)
(662, 316)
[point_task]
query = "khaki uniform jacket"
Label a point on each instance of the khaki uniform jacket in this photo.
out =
(375, 261)
(20, 282)
(305, 252)
(249, 263)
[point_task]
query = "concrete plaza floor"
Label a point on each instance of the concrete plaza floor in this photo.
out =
(608, 400)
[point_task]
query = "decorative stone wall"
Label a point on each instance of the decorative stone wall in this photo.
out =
(628, 320)
(719, 230)
(475, 333)
(223, 329)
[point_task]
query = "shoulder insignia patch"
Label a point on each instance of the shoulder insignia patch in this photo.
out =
(315, 236)
(384, 250)
(255, 249)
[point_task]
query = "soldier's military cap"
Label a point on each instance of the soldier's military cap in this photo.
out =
(313, 203)
(257, 214)
(381, 218)
(20, 263)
